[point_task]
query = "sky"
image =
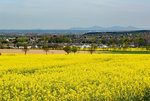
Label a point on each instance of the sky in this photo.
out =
(63, 14)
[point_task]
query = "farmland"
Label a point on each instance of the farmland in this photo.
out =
(75, 77)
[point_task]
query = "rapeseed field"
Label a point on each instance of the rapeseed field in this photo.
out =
(75, 77)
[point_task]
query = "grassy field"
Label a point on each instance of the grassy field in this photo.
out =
(37, 77)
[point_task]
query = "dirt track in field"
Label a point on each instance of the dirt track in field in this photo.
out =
(38, 51)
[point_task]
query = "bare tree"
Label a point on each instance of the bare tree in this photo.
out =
(25, 49)
(92, 48)
(45, 48)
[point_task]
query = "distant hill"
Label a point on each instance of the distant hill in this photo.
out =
(118, 32)
(78, 30)
(44, 31)
(113, 28)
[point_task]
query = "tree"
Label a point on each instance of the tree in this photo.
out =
(147, 48)
(67, 49)
(92, 48)
(136, 42)
(95, 47)
(25, 49)
(114, 47)
(8, 45)
(15, 41)
(45, 48)
(1, 45)
(121, 41)
(18, 45)
(74, 49)
(54, 46)
(119, 48)
(126, 46)
(79, 48)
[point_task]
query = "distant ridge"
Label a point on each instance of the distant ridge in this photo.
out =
(78, 30)
(113, 28)
(118, 32)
